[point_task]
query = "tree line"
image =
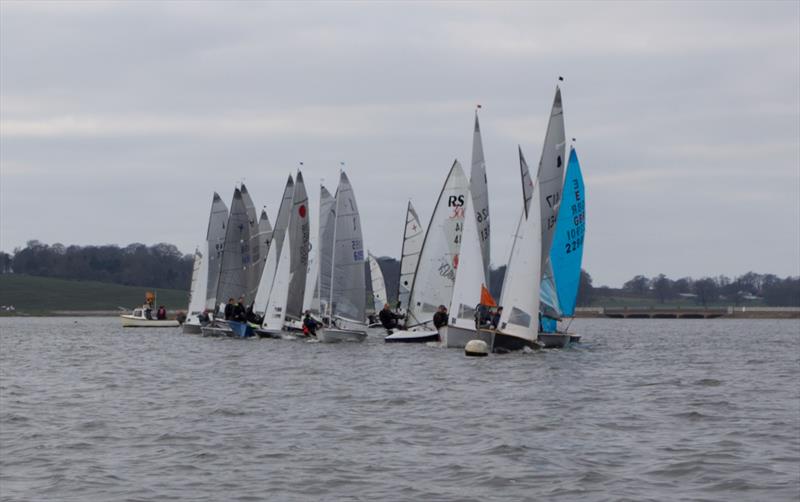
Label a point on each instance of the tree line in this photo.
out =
(158, 266)
(164, 266)
(747, 288)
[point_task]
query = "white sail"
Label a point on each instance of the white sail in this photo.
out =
(413, 237)
(197, 292)
(215, 238)
(478, 186)
(348, 287)
(520, 296)
(327, 223)
(470, 277)
(252, 248)
(277, 237)
(235, 261)
(378, 285)
(550, 178)
(438, 261)
(275, 313)
(298, 238)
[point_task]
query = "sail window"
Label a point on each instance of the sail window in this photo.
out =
(519, 317)
(466, 312)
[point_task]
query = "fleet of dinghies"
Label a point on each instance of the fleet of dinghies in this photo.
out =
(310, 274)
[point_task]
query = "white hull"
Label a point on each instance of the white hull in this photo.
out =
(422, 336)
(454, 337)
(333, 335)
(129, 321)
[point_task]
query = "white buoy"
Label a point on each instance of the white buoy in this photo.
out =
(476, 348)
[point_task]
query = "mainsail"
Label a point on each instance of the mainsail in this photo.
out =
(327, 223)
(478, 186)
(251, 254)
(413, 237)
(470, 276)
(235, 259)
(348, 287)
(299, 233)
(566, 254)
(436, 270)
(550, 178)
(378, 284)
(215, 238)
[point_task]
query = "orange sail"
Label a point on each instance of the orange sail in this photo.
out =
(486, 297)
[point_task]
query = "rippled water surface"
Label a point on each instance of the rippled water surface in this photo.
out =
(641, 410)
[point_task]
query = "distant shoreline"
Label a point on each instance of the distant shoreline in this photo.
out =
(581, 313)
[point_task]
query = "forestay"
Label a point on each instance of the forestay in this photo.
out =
(348, 288)
(436, 270)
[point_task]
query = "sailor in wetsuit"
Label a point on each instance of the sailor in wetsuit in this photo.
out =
(440, 317)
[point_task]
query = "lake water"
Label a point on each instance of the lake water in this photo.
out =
(641, 410)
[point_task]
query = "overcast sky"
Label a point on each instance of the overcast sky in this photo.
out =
(119, 120)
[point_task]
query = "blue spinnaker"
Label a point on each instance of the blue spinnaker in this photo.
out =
(566, 254)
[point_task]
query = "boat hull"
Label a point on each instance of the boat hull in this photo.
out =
(334, 335)
(402, 336)
(503, 342)
(240, 329)
(455, 337)
(129, 321)
(554, 340)
(190, 328)
(217, 328)
(267, 333)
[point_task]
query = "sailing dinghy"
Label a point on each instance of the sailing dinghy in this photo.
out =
(205, 276)
(469, 285)
(348, 289)
(519, 322)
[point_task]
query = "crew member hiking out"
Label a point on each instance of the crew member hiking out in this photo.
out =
(388, 318)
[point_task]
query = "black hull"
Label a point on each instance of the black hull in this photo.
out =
(508, 343)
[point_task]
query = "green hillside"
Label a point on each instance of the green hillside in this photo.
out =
(38, 295)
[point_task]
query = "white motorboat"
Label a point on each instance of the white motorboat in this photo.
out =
(140, 319)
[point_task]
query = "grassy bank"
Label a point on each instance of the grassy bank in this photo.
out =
(42, 295)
